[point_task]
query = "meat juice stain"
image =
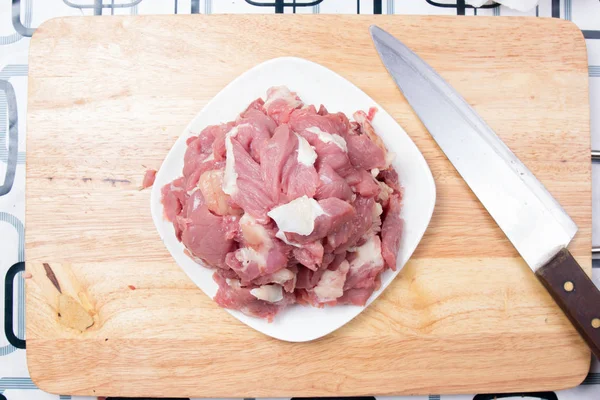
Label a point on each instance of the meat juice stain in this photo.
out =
(131, 287)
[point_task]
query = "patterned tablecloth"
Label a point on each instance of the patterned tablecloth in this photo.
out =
(18, 21)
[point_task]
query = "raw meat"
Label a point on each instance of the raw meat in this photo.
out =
(149, 178)
(288, 204)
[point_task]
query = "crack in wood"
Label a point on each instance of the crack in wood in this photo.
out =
(50, 274)
(114, 181)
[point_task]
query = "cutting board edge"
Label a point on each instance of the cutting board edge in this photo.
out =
(33, 341)
(58, 387)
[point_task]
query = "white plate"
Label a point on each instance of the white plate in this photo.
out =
(317, 85)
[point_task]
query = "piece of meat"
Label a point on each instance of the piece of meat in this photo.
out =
(340, 122)
(310, 255)
(233, 296)
(257, 104)
(390, 177)
(336, 123)
(336, 213)
(364, 153)
(307, 278)
(240, 262)
(253, 131)
(326, 134)
(209, 164)
(322, 110)
(195, 200)
(298, 180)
(372, 112)
(231, 226)
(363, 183)
(367, 129)
(366, 263)
(376, 212)
(251, 262)
(384, 193)
(351, 231)
(260, 254)
(199, 148)
(357, 297)
(331, 184)
(391, 231)
(149, 178)
(251, 194)
(204, 234)
(311, 279)
(331, 284)
(254, 233)
(210, 185)
(277, 151)
(334, 157)
(174, 198)
(285, 277)
(281, 103)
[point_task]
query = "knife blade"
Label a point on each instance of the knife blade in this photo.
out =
(533, 221)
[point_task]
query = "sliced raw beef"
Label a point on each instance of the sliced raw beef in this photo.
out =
(245, 299)
(331, 184)
(289, 203)
(149, 178)
(281, 103)
(391, 231)
(204, 234)
(352, 231)
(365, 154)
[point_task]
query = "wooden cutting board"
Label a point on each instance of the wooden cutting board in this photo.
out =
(110, 313)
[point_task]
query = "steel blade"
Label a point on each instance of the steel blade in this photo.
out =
(531, 218)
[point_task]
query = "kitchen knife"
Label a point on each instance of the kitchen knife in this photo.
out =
(531, 218)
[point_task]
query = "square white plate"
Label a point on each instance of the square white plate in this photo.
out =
(317, 85)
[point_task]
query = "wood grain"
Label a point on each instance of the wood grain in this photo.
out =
(108, 97)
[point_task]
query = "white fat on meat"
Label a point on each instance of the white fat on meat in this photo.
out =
(331, 284)
(211, 157)
(368, 253)
(254, 233)
(196, 203)
(375, 172)
(282, 92)
(326, 137)
(282, 276)
(390, 156)
(247, 255)
(230, 176)
(306, 153)
(325, 179)
(376, 225)
(268, 293)
(377, 211)
(297, 216)
(384, 192)
(234, 283)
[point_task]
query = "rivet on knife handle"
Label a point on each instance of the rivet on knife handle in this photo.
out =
(576, 294)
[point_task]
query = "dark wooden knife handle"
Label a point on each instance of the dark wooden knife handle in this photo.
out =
(576, 295)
